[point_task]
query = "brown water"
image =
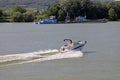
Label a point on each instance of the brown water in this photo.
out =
(101, 54)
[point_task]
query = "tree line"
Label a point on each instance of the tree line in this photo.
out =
(91, 9)
(17, 14)
(65, 9)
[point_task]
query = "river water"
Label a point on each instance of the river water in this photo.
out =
(22, 43)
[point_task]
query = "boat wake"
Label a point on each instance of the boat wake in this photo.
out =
(37, 56)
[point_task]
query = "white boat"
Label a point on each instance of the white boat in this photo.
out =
(77, 46)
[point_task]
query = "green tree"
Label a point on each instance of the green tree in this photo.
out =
(18, 9)
(86, 5)
(117, 8)
(16, 14)
(53, 10)
(17, 17)
(61, 15)
(90, 9)
(40, 14)
(112, 14)
(28, 17)
(97, 11)
(1, 13)
(74, 8)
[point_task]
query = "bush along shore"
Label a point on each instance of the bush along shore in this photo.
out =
(65, 10)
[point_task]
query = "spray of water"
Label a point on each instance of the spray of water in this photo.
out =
(37, 56)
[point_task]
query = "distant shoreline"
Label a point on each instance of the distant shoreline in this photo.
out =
(58, 23)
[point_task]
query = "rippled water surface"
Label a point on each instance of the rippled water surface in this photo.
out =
(21, 46)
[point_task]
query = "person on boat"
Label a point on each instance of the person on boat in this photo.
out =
(71, 43)
(67, 46)
(63, 48)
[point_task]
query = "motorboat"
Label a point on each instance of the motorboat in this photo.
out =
(76, 46)
(51, 20)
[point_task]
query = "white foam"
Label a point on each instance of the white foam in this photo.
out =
(38, 56)
(24, 56)
(70, 54)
